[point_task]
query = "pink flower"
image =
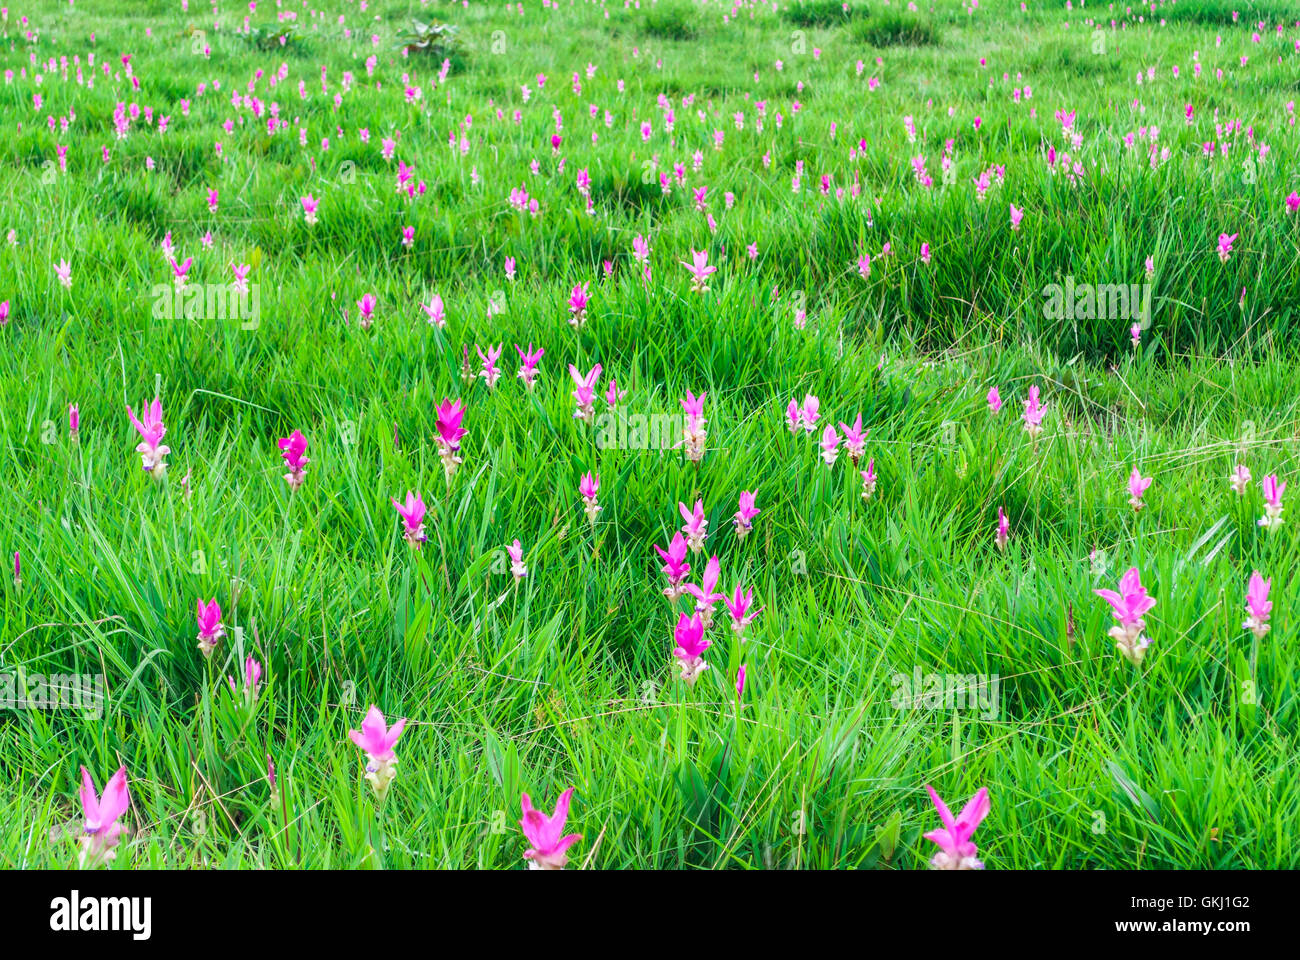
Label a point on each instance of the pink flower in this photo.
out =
(377, 740)
(588, 487)
(4, 312)
(1293, 202)
(412, 514)
(994, 399)
(252, 678)
(1004, 529)
(691, 644)
(694, 436)
(956, 852)
(210, 628)
(854, 439)
(700, 270)
(1016, 217)
(1129, 606)
(1137, 486)
(696, 526)
(705, 592)
(366, 309)
(293, 447)
(1225, 246)
(578, 301)
(102, 831)
(1272, 490)
(1033, 415)
(309, 205)
(869, 479)
(491, 373)
(450, 432)
(517, 567)
(584, 394)
(743, 518)
(74, 420)
(528, 372)
(1258, 605)
(675, 566)
(794, 414)
(738, 605)
(925, 254)
(1239, 479)
(809, 414)
(740, 682)
(830, 445)
(548, 846)
(151, 432)
(436, 311)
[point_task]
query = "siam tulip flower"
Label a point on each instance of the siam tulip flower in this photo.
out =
(794, 414)
(240, 283)
(613, 394)
(744, 517)
(588, 487)
(700, 270)
(584, 394)
(544, 834)
(1293, 201)
(101, 830)
(995, 400)
(578, 301)
(211, 630)
(1004, 530)
(408, 236)
(412, 514)
(510, 268)
(1239, 479)
(252, 678)
(4, 312)
(376, 738)
(738, 605)
(854, 440)
(869, 479)
(74, 421)
(63, 270)
(675, 567)
(1273, 490)
(491, 373)
(1016, 217)
(528, 372)
(450, 432)
(705, 592)
(740, 682)
(18, 571)
(1225, 246)
(366, 310)
(180, 271)
(1033, 415)
(294, 446)
(696, 527)
(864, 266)
(830, 444)
(691, 644)
(694, 436)
(1258, 605)
(517, 568)
(309, 205)
(1128, 607)
(1150, 267)
(151, 432)
(925, 254)
(956, 852)
(809, 414)
(1135, 333)
(1137, 486)
(436, 312)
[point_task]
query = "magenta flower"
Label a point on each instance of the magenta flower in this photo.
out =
(366, 310)
(1129, 605)
(809, 414)
(490, 373)
(517, 567)
(956, 852)
(412, 514)
(252, 678)
(995, 400)
(1137, 486)
(700, 270)
(588, 487)
(102, 831)
(210, 628)
(675, 567)
(706, 591)
(293, 447)
(1033, 415)
(738, 605)
(744, 517)
(435, 311)
(545, 834)
(854, 440)
(1239, 479)
(691, 644)
(1004, 529)
(696, 526)
(528, 372)
(794, 414)
(181, 270)
(450, 432)
(309, 205)
(584, 394)
(4, 312)
(18, 571)
(151, 432)
(830, 444)
(1293, 201)
(578, 301)
(694, 435)
(869, 479)
(74, 421)
(1225, 246)
(377, 739)
(1258, 605)
(1273, 490)
(740, 682)
(1016, 217)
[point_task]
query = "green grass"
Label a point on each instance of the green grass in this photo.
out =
(565, 679)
